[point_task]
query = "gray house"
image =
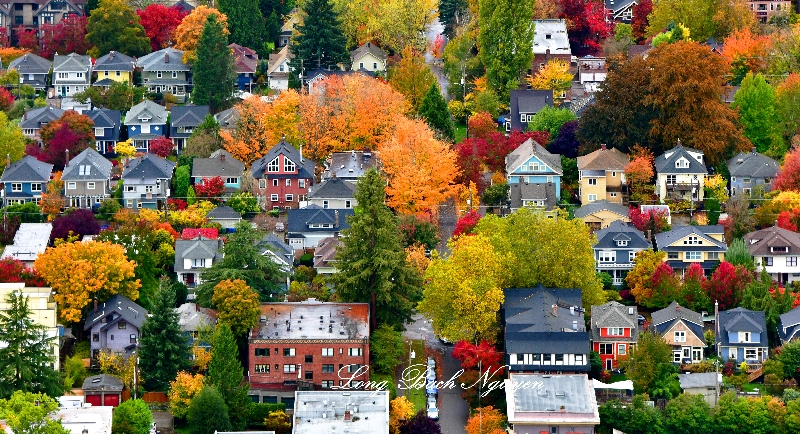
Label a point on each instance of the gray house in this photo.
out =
(113, 68)
(114, 325)
(333, 193)
(308, 226)
(195, 255)
(551, 404)
(146, 181)
(222, 164)
(163, 71)
(33, 70)
(616, 249)
(524, 105)
(71, 73)
(705, 384)
(742, 336)
(106, 128)
(33, 120)
(24, 180)
(752, 171)
(225, 216)
(183, 121)
(277, 251)
(790, 325)
(87, 179)
(535, 195)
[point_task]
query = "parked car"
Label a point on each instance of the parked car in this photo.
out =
(279, 227)
(431, 363)
(433, 412)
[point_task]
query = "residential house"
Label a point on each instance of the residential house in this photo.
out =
(114, 325)
(601, 213)
(325, 255)
(33, 70)
(592, 73)
(5, 19)
(227, 119)
(221, 163)
(681, 174)
(183, 6)
(550, 42)
(25, 179)
(224, 216)
(556, 404)
(776, 250)
(308, 226)
(146, 121)
(615, 330)
(540, 195)
(368, 57)
(790, 325)
(765, 9)
(682, 329)
(193, 320)
(307, 345)
(620, 11)
(163, 71)
(741, 336)
(685, 245)
(193, 256)
(524, 104)
(86, 419)
(71, 73)
(278, 69)
(112, 68)
(287, 28)
(284, 176)
(34, 119)
(361, 411)
(103, 390)
(146, 181)
(106, 128)
(42, 307)
(349, 166)
(705, 384)
(332, 193)
(616, 249)
(544, 330)
(277, 251)
(601, 175)
(87, 179)
(245, 61)
(532, 163)
(30, 241)
(183, 121)
(752, 171)
(34, 14)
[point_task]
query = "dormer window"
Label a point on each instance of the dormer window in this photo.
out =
(622, 243)
(682, 163)
(780, 249)
(692, 240)
(273, 165)
(144, 119)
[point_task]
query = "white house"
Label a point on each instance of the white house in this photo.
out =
(681, 174)
(776, 250)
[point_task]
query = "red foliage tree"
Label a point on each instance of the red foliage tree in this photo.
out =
(789, 178)
(77, 223)
(471, 155)
(727, 284)
(210, 189)
(481, 124)
(176, 204)
(161, 146)
(483, 355)
(639, 22)
(642, 220)
(67, 36)
(789, 220)
(12, 270)
(159, 23)
(27, 39)
(6, 99)
(466, 224)
(587, 25)
(72, 131)
(665, 284)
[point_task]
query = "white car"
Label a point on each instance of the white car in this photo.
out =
(431, 363)
(433, 412)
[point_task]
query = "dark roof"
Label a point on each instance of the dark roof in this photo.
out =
(528, 102)
(227, 118)
(223, 213)
(664, 319)
(121, 305)
(299, 219)
(613, 314)
(28, 169)
(742, 320)
(531, 148)
(761, 243)
(114, 61)
(276, 244)
(148, 167)
(305, 166)
(639, 50)
(221, 163)
(183, 6)
(88, 165)
(619, 4)
(665, 163)
(790, 325)
(37, 118)
(102, 383)
(333, 188)
(168, 59)
(754, 165)
(31, 64)
(521, 191)
(197, 248)
(245, 59)
(105, 118)
(601, 205)
(607, 238)
(665, 239)
(188, 115)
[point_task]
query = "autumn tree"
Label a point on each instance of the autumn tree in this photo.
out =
(237, 304)
(71, 132)
(80, 272)
(182, 389)
(638, 279)
(396, 36)
(505, 41)
(159, 23)
(486, 420)
(745, 52)
(75, 223)
(210, 189)
(665, 287)
(161, 146)
(555, 75)
(400, 409)
(188, 32)
(787, 99)
(412, 77)
(66, 36)
(727, 284)
(716, 18)
(755, 102)
(639, 174)
(645, 359)
(53, 197)
(163, 349)
(587, 24)
(115, 26)
(319, 40)
(434, 111)
(692, 294)
(250, 140)
(639, 21)
(652, 220)
(213, 73)
(12, 141)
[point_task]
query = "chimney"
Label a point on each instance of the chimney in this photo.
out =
(555, 310)
(575, 325)
(111, 55)
(753, 149)
(336, 218)
(67, 162)
(603, 146)
(166, 57)
(8, 161)
(221, 156)
(347, 415)
(302, 160)
(95, 303)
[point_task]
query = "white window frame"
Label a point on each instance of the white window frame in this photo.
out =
(288, 165)
(16, 186)
(693, 256)
(744, 337)
(273, 198)
(592, 181)
(273, 165)
(327, 352)
(289, 369)
(355, 352)
(36, 186)
(301, 183)
(72, 185)
(680, 336)
(288, 182)
(592, 197)
(289, 197)
(607, 256)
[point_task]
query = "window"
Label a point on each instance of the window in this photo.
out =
(559, 358)
(578, 359)
(592, 181)
(622, 243)
(309, 358)
(360, 65)
(631, 256)
(613, 174)
(694, 256)
(262, 369)
(673, 255)
(174, 74)
(158, 74)
(671, 179)
(63, 75)
(231, 180)
(327, 352)
(744, 336)
(79, 74)
(288, 182)
(327, 384)
(301, 183)
(72, 185)
(90, 185)
(692, 239)
(680, 336)
(288, 165)
(273, 197)
(713, 256)
(288, 352)
(273, 165)
(148, 188)
(129, 203)
(682, 164)
(288, 369)
(95, 337)
(327, 369)
(133, 339)
(275, 182)
(621, 349)
(746, 180)
(606, 348)
(16, 186)
(289, 197)
(750, 353)
(533, 166)
(354, 352)
(768, 261)
(592, 197)
(325, 204)
(309, 375)
(613, 194)
(118, 73)
(374, 65)
(262, 183)
(122, 325)
(616, 331)
(606, 256)
(791, 261)
(262, 352)
(353, 368)
(112, 337)
(198, 263)
(347, 204)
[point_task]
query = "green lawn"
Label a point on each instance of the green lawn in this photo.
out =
(417, 396)
(461, 132)
(750, 387)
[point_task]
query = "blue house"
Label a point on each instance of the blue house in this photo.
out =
(742, 336)
(183, 121)
(245, 60)
(532, 163)
(616, 249)
(25, 180)
(106, 129)
(146, 121)
(752, 171)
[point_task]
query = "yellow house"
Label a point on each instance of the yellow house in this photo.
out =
(43, 310)
(602, 175)
(601, 213)
(113, 67)
(368, 57)
(704, 245)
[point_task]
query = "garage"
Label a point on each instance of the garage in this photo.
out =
(103, 390)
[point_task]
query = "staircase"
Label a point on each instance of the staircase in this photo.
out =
(755, 374)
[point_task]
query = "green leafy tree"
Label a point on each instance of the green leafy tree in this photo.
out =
(30, 413)
(551, 119)
(371, 262)
(642, 365)
(688, 414)
(191, 196)
(213, 74)
(496, 194)
(245, 22)
(434, 111)
(119, 96)
(243, 202)
(738, 254)
(320, 42)
(505, 39)
(762, 295)
(387, 348)
(225, 372)
(181, 181)
(208, 412)
(26, 360)
(450, 13)
(755, 102)
(12, 141)
(115, 26)
(637, 417)
(163, 350)
(135, 414)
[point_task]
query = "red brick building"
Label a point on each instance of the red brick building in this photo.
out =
(614, 331)
(308, 345)
(283, 177)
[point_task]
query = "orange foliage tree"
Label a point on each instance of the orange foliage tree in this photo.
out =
(8, 54)
(486, 420)
(746, 52)
(188, 32)
(53, 197)
(251, 139)
(182, 390)
(421, 170)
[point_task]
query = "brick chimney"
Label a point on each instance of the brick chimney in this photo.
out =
(336, 218)
(221, 156)
(555, 310)
(603, 146)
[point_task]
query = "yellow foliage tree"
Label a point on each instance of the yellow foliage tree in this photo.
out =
(400, 408)
(188, 32)
(717, 186)
(194, 216)
(252, 138)
(126, 149)
(237, 304)
(467, 198)
(415, 255)
(122, 367)
(555, 75)
(486, 420)
(420, 169)
(182, 390)
(412, 77)
(80, 272)
(638, 279)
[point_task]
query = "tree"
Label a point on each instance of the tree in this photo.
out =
(243, 203)
(226, 374)
(26, 39)
(634, 417)
(66, 36)
(210, 189)
(400, 409)
(319, 40)
(115, 26)
(551, 119)
(486, 420)
(790, 357)
(745, 52)
(787, 99)
(119, 96)
(12, 141)
(79, 222)
(555, 75)
(135, 414)
(505, 41)
(14, 270)
(727, 284)
(639, 22)
(188, 33)
(71, 132)
(639, 173)
(30, 413)
(789, 176)
(245, 22)
(738, 255)
(466, 224)
(587, 25)
(419, 230)
(161, 146)
(638, 279)
(762, 294)
(412, 77)
(387, 348)
(420, 423)
(642, 365)
(371, 263)
(687, 414)
(434, 111)
(717, 18)
(253, 137)
(182, 391)
(655, 221)
(208, 412)
(6, 99)
(213, 72)
(665, 286)
(237, 304)
(79, 272)
(755, 102)
(159, 23)
(163, 350)
(692, 294)
(27, 358)
(566, 143)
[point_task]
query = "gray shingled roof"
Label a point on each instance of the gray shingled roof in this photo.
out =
(71, 62)
(104, 118)
(790, 324)
(699, 379)
(168, 59)
(675, 311)
(188, 115)
(742, 320)
(28, 169)
(125, 307)
(99, 168)
(607, 237)
(299, 219)
(197, 248)
(760, 243)
(613, 314)
(147, 169)
(527, 101)
(754, 165)
(103, 383)
(601, 205)
(227, 118)
(39, 117)
(664, 239)
(31, 64)
(369, 47)
(276, 244)
(146, 109)
(221, 163)
(531, 148)
(114, 61)
(522, 191)
(223, 213)
(665, 163)
(333, 188)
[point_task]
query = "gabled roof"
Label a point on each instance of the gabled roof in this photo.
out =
(613, 314)
(762, 242)
(36, 118)
(122, 306)
(531, 148)
(227, 118)
(619, 5)
(601, 205)
(754, 165)
(103, 383)
(305, 166)
(188, 115)
(191, 317)
(325, 253)
(224, 213)
(31, 64)
(604, 159)
(276, 59)
(105, 118)
(299, 219)
(607, 238)
(244, 59)
(168, 59)
(276, 244)
(742, 320)
(71, 62)
(790, 325)
(28, 169)
(665, 163)
(87, 165)
(664, 240)
(550, 35)
(148, 168)
(368, 48)
(333, 188)
(183, 6)
(521, 191)
(114, 61)
(221, 163)
(664, 318)
(528, 102)
(146, 109)
(197, 248)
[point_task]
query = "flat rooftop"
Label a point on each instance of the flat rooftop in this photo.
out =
(325, 412)
(551, 398)
(312, 319)
(96, 420)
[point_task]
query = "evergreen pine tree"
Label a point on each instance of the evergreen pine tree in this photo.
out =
(371, 263)
(434, 110)
(450, 11)
(320, 42)
(214, 73)
(163, 350)
(244, 22)
(225, 372)
(26, 361)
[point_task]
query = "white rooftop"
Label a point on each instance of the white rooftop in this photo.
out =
(550, 35)
(31, 240)
(551, 399)
(312, 319)
(317, 412)
(96, 420)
